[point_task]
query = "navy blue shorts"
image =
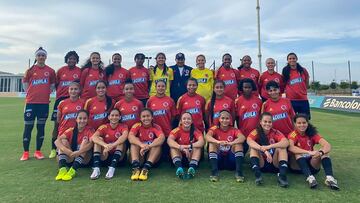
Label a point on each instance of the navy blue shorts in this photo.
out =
(312, 169)
(269, 167)
(301, 106)
(39, 111)
(55, 109)
(226, 161)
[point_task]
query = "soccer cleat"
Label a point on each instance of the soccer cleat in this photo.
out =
(95, 174)
(38, 155)
(259, 181)
(180, 173)
(239, 179)
(312, 181)
(282, 180)
(69, 175)
(61, 173)
(110, 173)
(191, 173)
(52, 154)
(144, 174)
(214, 178)
(331, 182)
(25, 156)
(135, 174)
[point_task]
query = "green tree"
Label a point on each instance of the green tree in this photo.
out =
(315, 85)
(354, 85)
(333, 85)
(344, 85)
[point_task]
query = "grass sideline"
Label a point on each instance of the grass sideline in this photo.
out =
(33, 181)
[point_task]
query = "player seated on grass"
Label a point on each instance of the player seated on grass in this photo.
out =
(308, 160)
(225, 147)
(185, 144)
(268, 150)
(109, 145)
(146, 139)
(74, 147)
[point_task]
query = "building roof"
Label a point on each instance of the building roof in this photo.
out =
(2, 73)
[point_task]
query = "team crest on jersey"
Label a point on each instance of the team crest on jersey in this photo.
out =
(277, 80)
(226, 106)
(254, 106)
(85, 138)
(283, 107)
(165, 104)
(230, 138)
(121, 75)
(101, 75)
(309, 143)
(143, 74)
(232, 75)
(272, 141)
(75, 76)
(117, 134)
(197, 102)
(186, 72)
(151, 135)
(78, 108)
(134, 108)
(252, 76)
(46, 73)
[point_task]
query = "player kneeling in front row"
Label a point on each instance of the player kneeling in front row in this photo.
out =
(146, 139)
(185, 144)
(74, 147)
(225, 147)
(268, 150)
(109, 145)
(302, 141)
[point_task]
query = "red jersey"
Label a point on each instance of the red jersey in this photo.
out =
(250, 73)
(97, 111)
(224, 103)
(83, 135)
(274, 136)
(164, 109)
(182, 137)
(231, 78)
(116, 83)
(69, 110)
(111, 135)
(221, 135)
(282, 114)
(40, 80)
(303, 141)
(194, 105)
(64, 76)
(146, 134)
(129, 110)
(140, 78)
(267, 77)
(89, 78)
(248, 113)
(295, 88)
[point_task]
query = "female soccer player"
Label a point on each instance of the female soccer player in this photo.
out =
(268, 151)
(296, 80)
(116, 76)
(109, 145)
(204, 76)
(129, 106)
(146, 139)
(193, 103)
(99, 106)
(186, 143)
(217, 103)
(302, 141)
(64, 77)
(229, 75)
(245, 70)
(140, 77)
(164, 110)
(225, 148)
(91, 72)
(38, 82)
(280, 108)
(74, 147)
(161, 72)
(267, 76)
(247, 108)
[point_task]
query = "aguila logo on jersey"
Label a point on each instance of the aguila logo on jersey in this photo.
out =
(159, 112)
(40, 81)
(93, 82)
(128, 117)
(46, 73)
(254, 106)
(283, 107)
(78, 108)
(117, 134)
(226, 106)
(100, 116)
(70, 116)
(279, 116)
(75, 76)
(165, 104)
(295, 81)
(251, 114)
(193, 111)
(114, 82)
(138, 80)
(134, 108)
(229, 82)
(65, 83)
(161, 79)
(202, 80)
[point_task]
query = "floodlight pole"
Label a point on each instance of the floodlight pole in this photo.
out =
(258, 29)
(148, 60)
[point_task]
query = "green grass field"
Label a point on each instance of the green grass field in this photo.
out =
(33, 180)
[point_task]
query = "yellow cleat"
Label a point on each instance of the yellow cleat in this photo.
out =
(61, 173)
(144, 174)
(52, 154)
(69, 175)
(135, 174)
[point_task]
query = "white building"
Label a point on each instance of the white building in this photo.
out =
(10, 82)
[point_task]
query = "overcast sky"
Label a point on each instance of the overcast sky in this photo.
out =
(327, 32)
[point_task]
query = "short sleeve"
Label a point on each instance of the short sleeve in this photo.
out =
(253, 135)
